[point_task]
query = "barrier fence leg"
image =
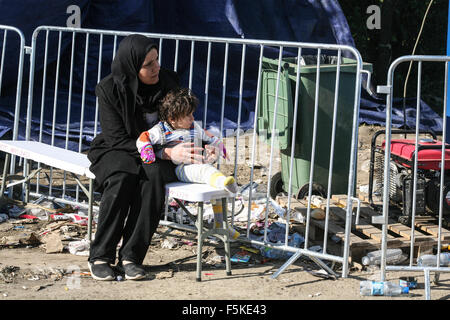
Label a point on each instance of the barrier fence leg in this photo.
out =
(5, 173)
(297, 255)
(291, 260)
(227, 246)
(199, 240)
(427, 284)
(322, 264)
(90, 208)
(436, 278)
(26, 166)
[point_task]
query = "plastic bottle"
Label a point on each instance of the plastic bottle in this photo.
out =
(271, 253)
(381, 288)
(430, 260)
(295, 241)
(392, 256)
(279, 210)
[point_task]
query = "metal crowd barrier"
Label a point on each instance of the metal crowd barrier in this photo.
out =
(47, 43)
(16, 53)
(389, 91)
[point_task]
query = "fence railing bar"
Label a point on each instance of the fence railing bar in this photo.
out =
(313, 151)
(333, 138)
(273, 139)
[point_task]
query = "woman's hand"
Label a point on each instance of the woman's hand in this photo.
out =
(184, 153)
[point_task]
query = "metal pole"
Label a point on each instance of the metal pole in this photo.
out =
(2, 63)
(442, 196)
(447, 114)
(99, 74)
(255, 123)
(294, 136)
(313, 151)
(191, 66)
(353, 162)
(224, 92)
(387, 163)
(416, 157)
(272, 138)
(333, 138)
(44, 81)
(208, 64)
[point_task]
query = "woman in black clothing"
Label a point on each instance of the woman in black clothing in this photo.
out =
(131, 203)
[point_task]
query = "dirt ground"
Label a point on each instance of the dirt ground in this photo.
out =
(27, 272)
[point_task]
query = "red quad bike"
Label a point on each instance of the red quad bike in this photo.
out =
(401, 181)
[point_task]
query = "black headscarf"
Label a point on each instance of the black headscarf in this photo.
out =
(129, 58)
(125, 69)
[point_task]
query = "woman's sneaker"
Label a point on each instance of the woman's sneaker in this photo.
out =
(134, 271)
(101, 270)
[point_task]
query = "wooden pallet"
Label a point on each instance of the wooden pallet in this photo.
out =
(366, 236)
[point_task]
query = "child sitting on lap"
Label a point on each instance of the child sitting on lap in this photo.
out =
(177, 125)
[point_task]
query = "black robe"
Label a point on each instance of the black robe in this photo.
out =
(121, 116)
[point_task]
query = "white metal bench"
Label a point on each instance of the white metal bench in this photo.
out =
(201, 193)
(78, 165)
(70, 161)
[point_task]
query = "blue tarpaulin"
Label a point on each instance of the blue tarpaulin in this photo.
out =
(447, 133)
(373, 112)
(317, 21)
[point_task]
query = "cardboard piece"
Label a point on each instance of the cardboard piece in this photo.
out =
(53, 243)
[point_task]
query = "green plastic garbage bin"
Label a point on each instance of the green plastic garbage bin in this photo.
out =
(305, 121)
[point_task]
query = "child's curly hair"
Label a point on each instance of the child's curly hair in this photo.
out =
(177, 103)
